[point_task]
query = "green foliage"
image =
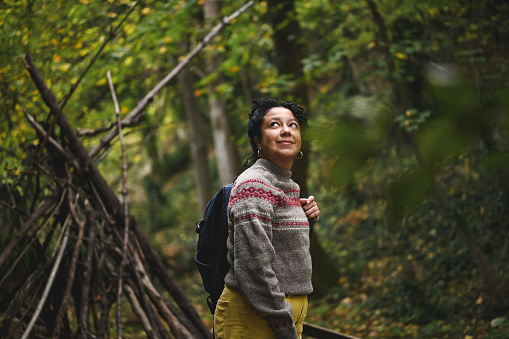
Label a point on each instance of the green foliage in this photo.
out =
(381, 169)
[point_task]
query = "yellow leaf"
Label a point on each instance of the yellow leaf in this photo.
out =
(124, 110)
(25, 39)
(111, 15)
(65, 67)
(371, 45)
(54, 41)
(163, 50)
(128, 29)
(234, 69)
(78, 45)
(198, 92)
(101, 82)
(146, 11)
(401, 56)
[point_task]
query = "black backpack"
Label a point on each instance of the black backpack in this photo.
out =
(211, 249)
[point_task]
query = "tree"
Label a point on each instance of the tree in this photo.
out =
(221, 122)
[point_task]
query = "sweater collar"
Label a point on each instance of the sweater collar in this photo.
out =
(272, 167)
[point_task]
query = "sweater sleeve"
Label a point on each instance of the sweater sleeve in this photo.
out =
(252, 207)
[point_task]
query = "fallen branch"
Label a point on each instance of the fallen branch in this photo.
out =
(140, 313)
(87, 273)
(52, 142)
(22, 253)
(50, 281)
(9, 248)
(74, 260)
(21, 295)
(179, 331)
(126, 211)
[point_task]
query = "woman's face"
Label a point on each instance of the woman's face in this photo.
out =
(280, 137)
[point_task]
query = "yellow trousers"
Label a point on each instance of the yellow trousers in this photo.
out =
(235, 318)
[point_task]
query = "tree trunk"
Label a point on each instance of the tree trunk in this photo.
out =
(197, 140)
(226, 152)
(289, 54)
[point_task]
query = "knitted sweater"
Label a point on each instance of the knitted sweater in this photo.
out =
(268, 243)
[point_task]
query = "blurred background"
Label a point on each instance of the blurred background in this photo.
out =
(406, 152)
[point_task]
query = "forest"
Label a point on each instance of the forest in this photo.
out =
(120, 119)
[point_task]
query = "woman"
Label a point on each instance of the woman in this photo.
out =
(266, 289)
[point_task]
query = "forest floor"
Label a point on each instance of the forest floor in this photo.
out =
(354, 315)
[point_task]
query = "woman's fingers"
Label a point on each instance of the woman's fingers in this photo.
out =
(310, 207)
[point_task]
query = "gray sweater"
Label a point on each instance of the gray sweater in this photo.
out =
(268, 243)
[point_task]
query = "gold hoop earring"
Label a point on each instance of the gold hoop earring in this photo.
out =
(260, 155)
(299, 155)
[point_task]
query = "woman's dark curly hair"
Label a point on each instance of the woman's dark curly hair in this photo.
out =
(259, 108)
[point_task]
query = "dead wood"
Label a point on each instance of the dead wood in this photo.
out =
(140, 313)
(74, 259)
(104, 201)
(83, 307)
(20, 235)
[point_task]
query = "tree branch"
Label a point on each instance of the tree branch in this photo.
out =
(92, 61)
(135, 115)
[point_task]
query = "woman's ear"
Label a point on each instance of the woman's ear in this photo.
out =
(257, 141)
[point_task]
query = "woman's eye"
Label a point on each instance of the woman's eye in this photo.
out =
(294, 125)
(274, 123)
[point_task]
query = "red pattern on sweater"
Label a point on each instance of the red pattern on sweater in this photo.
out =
(244, 192)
